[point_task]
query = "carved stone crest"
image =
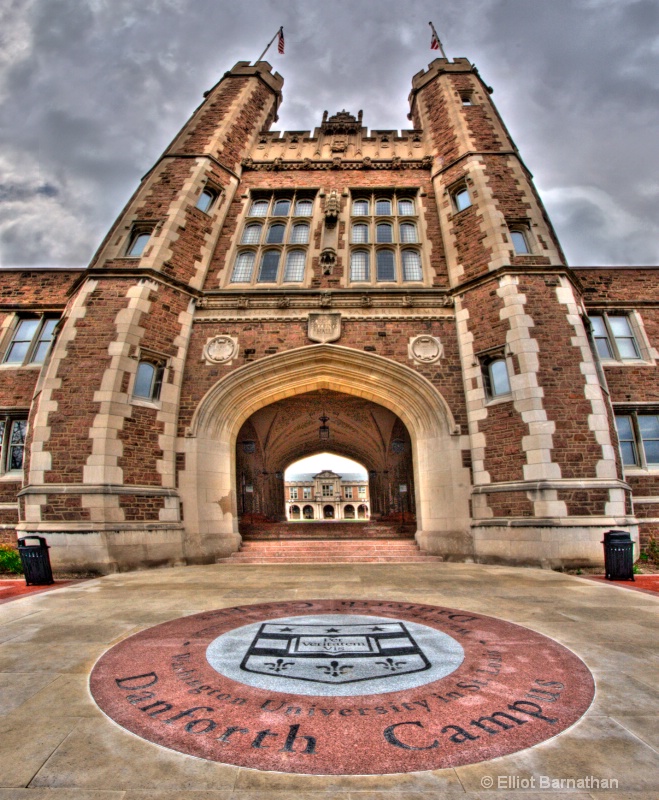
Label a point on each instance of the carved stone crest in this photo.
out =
(324, 326)
(220, 349)
(328, 260)
(425, 349)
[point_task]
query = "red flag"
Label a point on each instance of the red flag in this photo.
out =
(280, 44)
(434, 42)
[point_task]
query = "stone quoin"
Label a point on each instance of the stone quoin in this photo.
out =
(408, 285)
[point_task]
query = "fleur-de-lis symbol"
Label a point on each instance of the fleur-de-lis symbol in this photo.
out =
(334, 669)
(279, 666)
(391, 665)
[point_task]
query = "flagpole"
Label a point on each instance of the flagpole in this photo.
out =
(439, 41)
(260, 58)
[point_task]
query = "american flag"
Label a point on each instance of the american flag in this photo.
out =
(280, 44)
(434, 42)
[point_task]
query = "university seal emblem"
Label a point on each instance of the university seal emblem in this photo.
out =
(334, 653)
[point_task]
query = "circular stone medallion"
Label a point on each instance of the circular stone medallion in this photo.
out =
(342, 687)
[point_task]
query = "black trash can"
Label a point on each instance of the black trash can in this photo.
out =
(36, 561)
(618, 556)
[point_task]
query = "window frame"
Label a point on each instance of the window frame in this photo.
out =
(638, 442)
(637, 339)
(137, 231)
(458, 190)
(260, 211)
(159, 364)
(33, 343)
(384, 232)
(7, 422)
(487, 361)
(212, 193)
(524, 232)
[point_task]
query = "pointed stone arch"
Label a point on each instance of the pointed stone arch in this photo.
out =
(208, 483)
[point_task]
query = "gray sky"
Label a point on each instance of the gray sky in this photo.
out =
(91, 91)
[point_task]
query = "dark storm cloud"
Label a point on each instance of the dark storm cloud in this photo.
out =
(91, 91)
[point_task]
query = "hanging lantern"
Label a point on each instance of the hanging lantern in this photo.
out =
(323, 431)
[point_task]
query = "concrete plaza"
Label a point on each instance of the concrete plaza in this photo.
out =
(55, 743)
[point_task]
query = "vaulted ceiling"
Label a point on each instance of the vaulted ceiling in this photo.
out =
(359, 429)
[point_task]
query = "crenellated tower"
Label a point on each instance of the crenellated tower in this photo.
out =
(104, 426)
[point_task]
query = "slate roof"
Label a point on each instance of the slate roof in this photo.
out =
(346, 477)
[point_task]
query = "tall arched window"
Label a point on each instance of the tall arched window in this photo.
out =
(294, 271)
(242, 269)
(405, 207)
(275, 234)
(407, 232)
(360, 208)
(300, 233)
(303, 208)
(412, 266)
(360, 266)
(384, 232)
(383, 206)
(282, 207)
(386, 265)
(252, 234)
(269, 267)
(360, 233)
(259, 208)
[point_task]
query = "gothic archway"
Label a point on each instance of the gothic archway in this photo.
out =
(208, 483)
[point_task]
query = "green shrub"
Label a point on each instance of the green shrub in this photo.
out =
(10, 560)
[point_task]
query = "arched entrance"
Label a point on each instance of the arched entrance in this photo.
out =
(210, 489)
(349, 512)
(328, 512)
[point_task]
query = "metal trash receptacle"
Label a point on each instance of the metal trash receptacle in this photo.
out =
(618, 556)
(36, 561)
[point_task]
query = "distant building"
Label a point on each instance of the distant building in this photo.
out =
(327, 496)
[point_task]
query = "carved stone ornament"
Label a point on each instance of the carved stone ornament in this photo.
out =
(425, 349)
(332, 206)
(220, 349)
(326, 300)
(324, 327)
(284, 302)
(328, 260)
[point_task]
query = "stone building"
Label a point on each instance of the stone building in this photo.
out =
(406, 285)
(326, 495)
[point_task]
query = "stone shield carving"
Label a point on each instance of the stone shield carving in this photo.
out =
(425, 349)
(220, 349)
(324, 327)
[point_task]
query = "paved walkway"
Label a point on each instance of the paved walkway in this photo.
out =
(56, 742)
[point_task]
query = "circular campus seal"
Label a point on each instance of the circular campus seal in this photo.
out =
(344, 687)
(425, 349)
(220, 349)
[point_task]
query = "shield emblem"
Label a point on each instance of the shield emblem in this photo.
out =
(334, 654)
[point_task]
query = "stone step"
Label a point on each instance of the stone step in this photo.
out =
(329, 552)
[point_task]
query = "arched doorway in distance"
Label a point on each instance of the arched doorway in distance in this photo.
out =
(328, 512)
(362, 512)
(307, 512)
(349, 512)
(295, 512)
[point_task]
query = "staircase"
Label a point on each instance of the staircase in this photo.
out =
(329, 551)
(338, 529)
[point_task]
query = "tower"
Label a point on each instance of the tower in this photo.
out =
(408, 286)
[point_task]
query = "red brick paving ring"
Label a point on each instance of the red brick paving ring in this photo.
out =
(342, 687)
